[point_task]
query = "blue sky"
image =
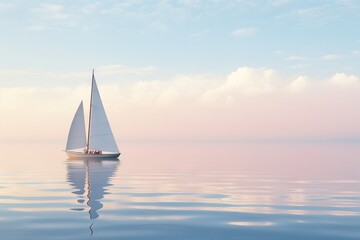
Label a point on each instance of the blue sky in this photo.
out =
(317, 38)
(185, 69)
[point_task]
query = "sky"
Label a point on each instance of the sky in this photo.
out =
(183, 70)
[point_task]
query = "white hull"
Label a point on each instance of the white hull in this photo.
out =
(80, 155)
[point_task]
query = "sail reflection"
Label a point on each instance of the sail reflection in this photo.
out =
(90, 179)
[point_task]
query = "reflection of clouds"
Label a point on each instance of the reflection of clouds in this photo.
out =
(260, 224)
(89, 179)
(288, 195)
(148, 218)
(343, 213)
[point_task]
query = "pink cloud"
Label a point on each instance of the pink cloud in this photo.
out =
(248, 104)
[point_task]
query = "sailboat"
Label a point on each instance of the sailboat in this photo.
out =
(100, 142)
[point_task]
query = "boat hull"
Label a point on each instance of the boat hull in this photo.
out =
(80, 155)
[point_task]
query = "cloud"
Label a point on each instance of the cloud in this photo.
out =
(150, 11)
(311, 12)
(183, 89)
(52, 11)
(248, 103)
(299, 84)
(55, 13)
(4, 6)
(341, 79)
(354, 5)
(331, 57)
(91, 7)
(356, 52)
(244, 81)
(243, 32)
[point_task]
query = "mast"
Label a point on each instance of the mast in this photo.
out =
(92, 84)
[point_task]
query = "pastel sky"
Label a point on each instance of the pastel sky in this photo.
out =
(185, 70)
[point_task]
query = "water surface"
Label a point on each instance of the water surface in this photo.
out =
(182, 191)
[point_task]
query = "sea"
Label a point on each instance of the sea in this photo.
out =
(182, 190)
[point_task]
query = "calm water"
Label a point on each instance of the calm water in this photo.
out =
(182, 191)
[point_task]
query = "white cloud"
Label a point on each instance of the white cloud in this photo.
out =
(52, 11)
(299, 84)
(310, 12)
(352, 4)
(180, 89)
(248, 103)
(331, 57)
(244, 81)
(341, 79)
(243, 32)
(91, 7)
(150, 11)
(356, 52)
(55, 13)
(251, 81)
(6, 5)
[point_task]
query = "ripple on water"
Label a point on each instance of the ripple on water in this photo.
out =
(98, 199)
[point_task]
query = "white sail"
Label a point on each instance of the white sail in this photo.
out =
(100, 134)
(77, 134)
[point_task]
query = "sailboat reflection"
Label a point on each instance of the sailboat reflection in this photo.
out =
(89, 179)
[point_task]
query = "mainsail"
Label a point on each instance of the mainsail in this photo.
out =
(100, 134)
(77, 134)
